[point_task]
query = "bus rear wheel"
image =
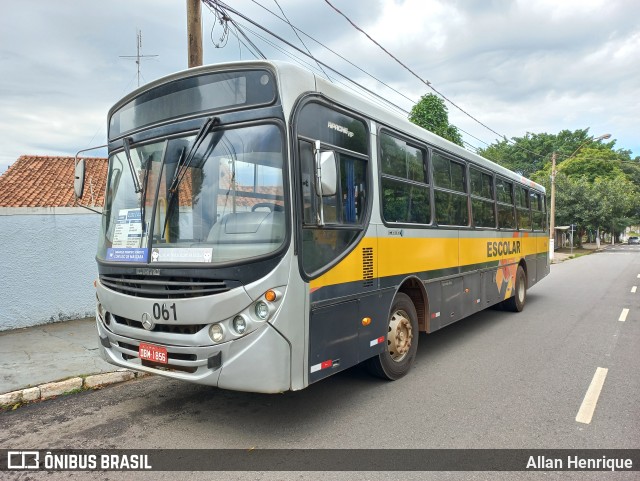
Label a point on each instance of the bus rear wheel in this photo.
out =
(401, 341)
(519, 299)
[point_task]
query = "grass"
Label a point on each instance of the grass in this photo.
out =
(577, 251)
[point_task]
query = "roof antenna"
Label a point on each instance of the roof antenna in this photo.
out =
(138, 56)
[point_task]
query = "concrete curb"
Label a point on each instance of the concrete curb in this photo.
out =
(53, 389)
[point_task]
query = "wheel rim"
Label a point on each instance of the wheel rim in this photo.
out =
(521, 289)
(399, 336)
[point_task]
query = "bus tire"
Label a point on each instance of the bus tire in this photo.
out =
(402, 341)
(519, 299)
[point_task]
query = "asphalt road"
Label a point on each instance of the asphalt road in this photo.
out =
(494, 380)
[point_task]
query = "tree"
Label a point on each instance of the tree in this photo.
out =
(432, 114)
(602, 203)
(596, 185)
(532, 152)
(592, 164)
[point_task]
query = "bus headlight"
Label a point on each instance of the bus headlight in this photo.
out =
(239, 324)
(216, 333)
(262, 310)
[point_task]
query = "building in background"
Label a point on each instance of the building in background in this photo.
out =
(47, 242)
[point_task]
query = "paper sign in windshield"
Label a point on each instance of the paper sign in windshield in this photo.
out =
(128, 230)
(181, 254)
(124, 254)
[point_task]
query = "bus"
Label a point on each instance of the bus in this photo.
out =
(264, 229)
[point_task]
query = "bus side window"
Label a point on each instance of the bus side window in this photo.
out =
(450, 193)
(405, 183)
(522, 203)
(482, 204)
(537, 211)
(504, 194)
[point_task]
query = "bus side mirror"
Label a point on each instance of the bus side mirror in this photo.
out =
(78, 183)
(326, 172)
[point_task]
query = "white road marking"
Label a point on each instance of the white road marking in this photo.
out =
(591, 398)
(634, 289)
(623, 315)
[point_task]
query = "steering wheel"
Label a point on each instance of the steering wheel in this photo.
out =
(273, 207)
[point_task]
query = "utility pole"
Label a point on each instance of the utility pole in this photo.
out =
(194, 32)
(552, 220)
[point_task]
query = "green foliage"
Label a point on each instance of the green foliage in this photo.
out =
(529, 154)
(597, 186)
(524, 155)
(592, 164)
(632, 170)
(601, 203)
(432, 114)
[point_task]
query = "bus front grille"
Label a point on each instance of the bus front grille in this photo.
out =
(170, 328)
(163, 287)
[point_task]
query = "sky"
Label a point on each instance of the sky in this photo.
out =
(516, 66)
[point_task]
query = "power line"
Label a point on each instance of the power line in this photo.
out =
(225, 20)
(253, 45)
(224, 37)
(338, 55)
(217, 4)
(301, 41)
(237, 35)
(221, 9)
(295, 29)
(303, 63)
(426, 82)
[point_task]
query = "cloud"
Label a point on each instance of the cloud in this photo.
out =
(518, 66)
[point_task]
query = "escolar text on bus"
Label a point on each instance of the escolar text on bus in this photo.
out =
(495, 249)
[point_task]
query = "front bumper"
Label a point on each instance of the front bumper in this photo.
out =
(258, 362)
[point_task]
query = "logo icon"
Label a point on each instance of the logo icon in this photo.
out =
(23, 460)
(147, 322)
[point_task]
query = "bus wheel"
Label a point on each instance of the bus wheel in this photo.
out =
(517, 302)
(401, 342)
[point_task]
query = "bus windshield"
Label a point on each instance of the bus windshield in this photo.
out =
(219, 199)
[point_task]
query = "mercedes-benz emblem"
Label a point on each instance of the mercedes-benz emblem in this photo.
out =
(147, 322)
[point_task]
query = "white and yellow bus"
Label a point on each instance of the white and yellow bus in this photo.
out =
(264, 229)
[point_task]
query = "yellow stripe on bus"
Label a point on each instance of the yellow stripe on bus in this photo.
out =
(400, 255)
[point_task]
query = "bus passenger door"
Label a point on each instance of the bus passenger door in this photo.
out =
(331, 225)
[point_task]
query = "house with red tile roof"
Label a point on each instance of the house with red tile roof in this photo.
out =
(37, 181)
(47, 242)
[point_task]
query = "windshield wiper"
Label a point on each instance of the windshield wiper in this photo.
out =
(136, 183)
(132, 169)
(143, 200)
(185, 162)
(182, 168)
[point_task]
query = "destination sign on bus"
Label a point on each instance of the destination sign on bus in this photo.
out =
(207, 92)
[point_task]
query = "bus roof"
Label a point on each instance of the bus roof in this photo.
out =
(305, 80)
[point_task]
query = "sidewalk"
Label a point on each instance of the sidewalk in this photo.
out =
(34, 359)
(564, 253)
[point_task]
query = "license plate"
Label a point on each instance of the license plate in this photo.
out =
(149, 352)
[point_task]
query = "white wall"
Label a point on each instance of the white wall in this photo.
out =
(47, 265)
